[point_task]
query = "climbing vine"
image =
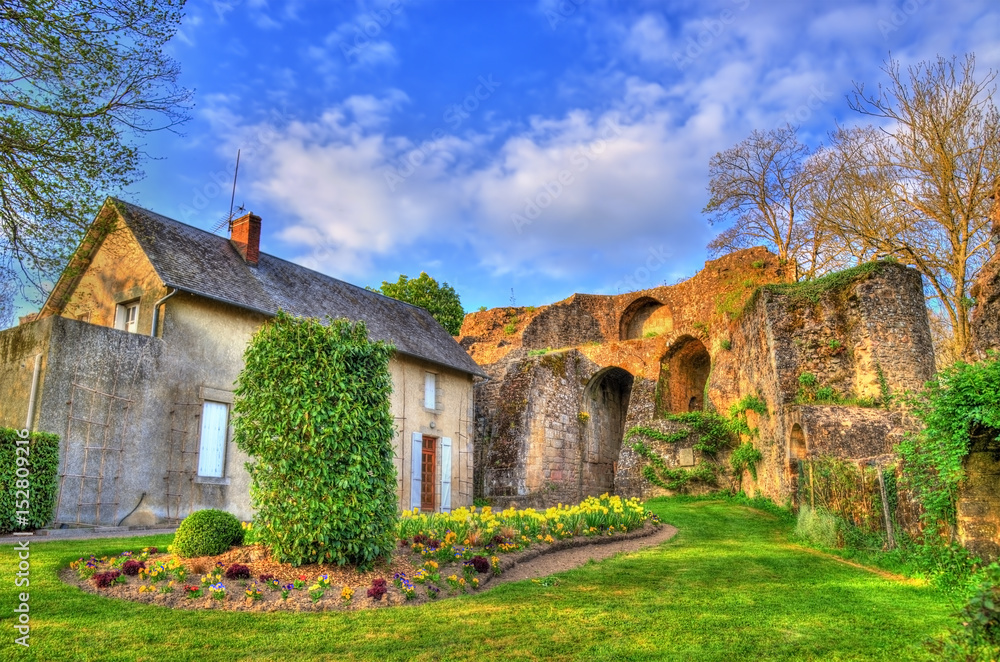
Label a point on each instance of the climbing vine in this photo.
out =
(714, 433)
(962, 401)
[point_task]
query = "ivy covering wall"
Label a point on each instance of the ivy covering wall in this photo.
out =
(312, 411)
(963, 400)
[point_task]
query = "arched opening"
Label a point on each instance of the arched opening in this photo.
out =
(605, 400)
(979, 495)
(645, 316)
(797, 451)
(684, 371)
(797, 443)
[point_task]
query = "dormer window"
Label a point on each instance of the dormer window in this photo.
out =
(127, 316)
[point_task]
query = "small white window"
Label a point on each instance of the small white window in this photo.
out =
(214, 427)
(127, 317)
(430, 390)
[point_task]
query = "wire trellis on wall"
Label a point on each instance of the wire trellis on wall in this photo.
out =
(97, 430)
(182, 458)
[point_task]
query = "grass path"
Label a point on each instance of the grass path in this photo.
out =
(727, 587)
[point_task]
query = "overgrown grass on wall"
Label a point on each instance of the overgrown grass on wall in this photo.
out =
(28, 479)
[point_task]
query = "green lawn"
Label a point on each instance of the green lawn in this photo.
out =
(730, 586)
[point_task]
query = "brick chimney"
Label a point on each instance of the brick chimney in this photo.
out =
(245, 237)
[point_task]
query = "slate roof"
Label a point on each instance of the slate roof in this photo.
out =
(202, 263)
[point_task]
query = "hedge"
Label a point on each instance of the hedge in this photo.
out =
(312, 412)
(39, 468)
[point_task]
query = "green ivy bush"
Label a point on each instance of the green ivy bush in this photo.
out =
(714, 433)
(978, 635)
(38, 462)
(207, 533)
(312, 412)
(962, 399)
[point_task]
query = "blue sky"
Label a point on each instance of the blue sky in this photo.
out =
(548, 147)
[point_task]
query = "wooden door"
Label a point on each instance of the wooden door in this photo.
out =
(428, 461)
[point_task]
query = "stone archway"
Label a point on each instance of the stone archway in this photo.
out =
(605, 401)
(684, 371)
(797, 448)
(797, 451)
(645, 316)
(979, 495)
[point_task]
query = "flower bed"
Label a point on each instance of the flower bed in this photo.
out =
(439, 555)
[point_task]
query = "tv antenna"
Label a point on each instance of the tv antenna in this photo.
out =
(228, 220)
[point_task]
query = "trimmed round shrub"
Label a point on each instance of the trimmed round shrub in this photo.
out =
(207, 533)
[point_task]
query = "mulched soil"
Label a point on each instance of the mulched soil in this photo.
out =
(537, 561)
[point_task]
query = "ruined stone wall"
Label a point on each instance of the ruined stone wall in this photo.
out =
(599, 325)
(549, 426)
(985, 325)
(849, 334)
(979, 497)
(528, 440)
(979, 493)
(704, 344)
(845, 335)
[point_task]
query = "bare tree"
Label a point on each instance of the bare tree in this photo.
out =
(851, 197)
(759, 186)
(78, 80)
(934, 165)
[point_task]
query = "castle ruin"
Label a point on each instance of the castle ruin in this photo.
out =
(569, 379)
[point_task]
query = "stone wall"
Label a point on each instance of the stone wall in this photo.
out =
(734, 329)
(979, 493)
(979, 496)
(985, 325)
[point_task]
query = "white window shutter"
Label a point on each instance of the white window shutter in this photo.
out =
(212, 451)
(418, 451)
(446, 474)
(430, 390)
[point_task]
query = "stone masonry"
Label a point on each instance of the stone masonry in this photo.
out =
(568, 380)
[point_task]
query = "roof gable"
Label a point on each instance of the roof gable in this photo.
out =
(199, 262)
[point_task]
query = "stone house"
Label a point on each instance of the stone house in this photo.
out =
(134, 356)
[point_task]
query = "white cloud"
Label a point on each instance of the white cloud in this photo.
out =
(548, 196)
(647, 39)
(588, 189)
